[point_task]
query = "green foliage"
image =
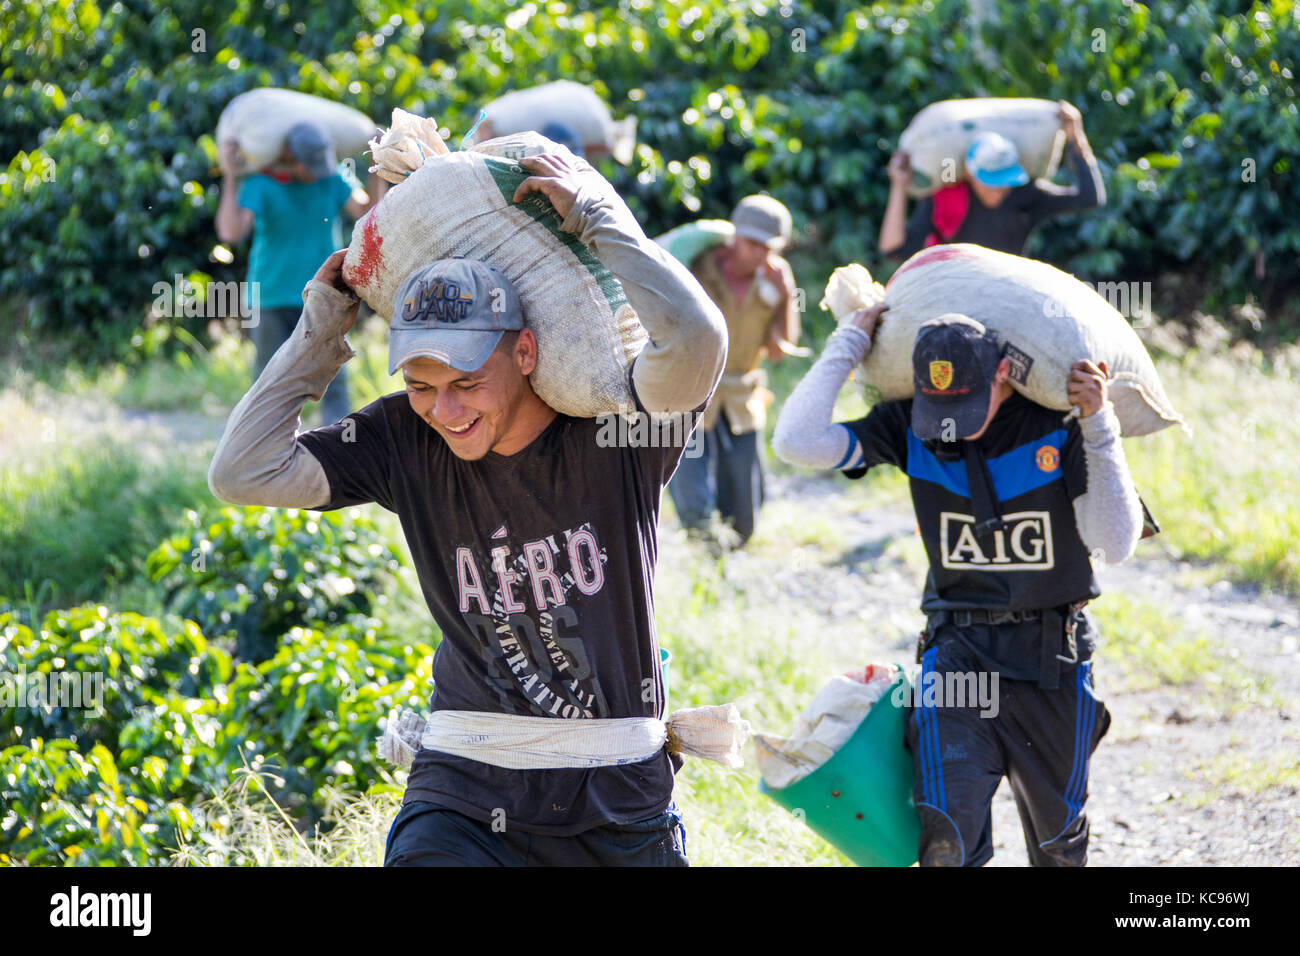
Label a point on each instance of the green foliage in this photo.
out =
(257, 573)
(170, 370)
(135, 662)
(110, 182)
(178, 722)
(312, 713)
(62, 807)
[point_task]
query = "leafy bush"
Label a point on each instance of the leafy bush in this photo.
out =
(64, 807)
(803, 99)
(313, 712)
(257, 573)
(136, 662)
(178, 723)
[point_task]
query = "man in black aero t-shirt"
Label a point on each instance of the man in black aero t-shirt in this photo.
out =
(1013, 502)
(534, 544)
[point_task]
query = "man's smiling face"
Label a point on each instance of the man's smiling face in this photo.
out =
(490, 409)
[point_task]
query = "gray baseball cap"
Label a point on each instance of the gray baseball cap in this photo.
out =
(762, 219)
(313, 148)
(454, 311)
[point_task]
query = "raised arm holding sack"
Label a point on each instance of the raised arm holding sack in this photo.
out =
(995, 202)
(291, 204)
(533, 537)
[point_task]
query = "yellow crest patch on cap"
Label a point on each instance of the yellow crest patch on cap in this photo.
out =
(940, 374)
(1048, 459)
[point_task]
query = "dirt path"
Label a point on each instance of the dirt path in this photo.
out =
(1198, 774)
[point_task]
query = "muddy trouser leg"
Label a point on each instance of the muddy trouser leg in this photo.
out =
(740, 477)
(957, 761)
(1048, 737)
(693, 485)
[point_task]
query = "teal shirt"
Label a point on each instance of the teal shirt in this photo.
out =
(295, 228)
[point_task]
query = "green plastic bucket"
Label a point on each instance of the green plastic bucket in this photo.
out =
(860, 801)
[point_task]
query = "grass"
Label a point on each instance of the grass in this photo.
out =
(85, 494)
(246, 827)
(210, 381)
(1227, 495)
(1145, 647)
(84, 497)
(1238, 774)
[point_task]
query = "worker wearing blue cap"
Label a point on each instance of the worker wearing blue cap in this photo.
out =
(997, 205)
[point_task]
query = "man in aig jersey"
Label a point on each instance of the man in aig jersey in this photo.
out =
(1014, 502)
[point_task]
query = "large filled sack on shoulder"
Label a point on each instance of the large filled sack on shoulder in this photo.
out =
(937, 138)
(1045, 319)
(689, 241)
(259, 121)
(572, 104)
(460, 204)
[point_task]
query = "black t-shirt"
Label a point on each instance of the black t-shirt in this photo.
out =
(1006, 227)
(538, 567)
(1037, 467)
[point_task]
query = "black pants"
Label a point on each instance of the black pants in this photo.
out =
(425, 834)
(1040, 740)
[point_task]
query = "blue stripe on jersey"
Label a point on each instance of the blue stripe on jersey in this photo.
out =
(1014, 473)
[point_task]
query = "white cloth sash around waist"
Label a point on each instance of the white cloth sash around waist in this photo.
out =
(518, 742)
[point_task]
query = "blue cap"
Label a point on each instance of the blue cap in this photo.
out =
(993, 160)
(453, 311)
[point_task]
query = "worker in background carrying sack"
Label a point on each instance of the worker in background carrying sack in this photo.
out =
(997, 205)
(533, 540)
(754, 287)
(293, 212)
(1013, 504)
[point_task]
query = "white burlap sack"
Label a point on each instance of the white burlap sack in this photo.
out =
(260, 119)
(1045, 318)
(822, 729)
(459, 204)
(937, 138)
(572, 104)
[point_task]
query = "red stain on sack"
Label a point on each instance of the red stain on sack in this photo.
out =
(933, 254)
(371, 259)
